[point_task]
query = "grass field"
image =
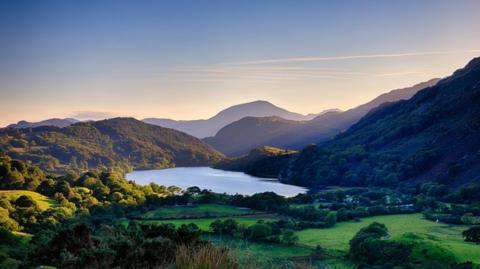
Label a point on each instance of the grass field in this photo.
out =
(260, 249)
(204, 223)
(43, 201)
(196, 211)
(446, 236)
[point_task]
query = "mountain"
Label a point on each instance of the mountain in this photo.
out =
(120, 142)
(241, 136)
(432, 136)
(50, 122)
(351, 116)
(209, 127)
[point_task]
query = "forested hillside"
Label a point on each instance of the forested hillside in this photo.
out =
(121, 142)
(262, 161)
(433, 136)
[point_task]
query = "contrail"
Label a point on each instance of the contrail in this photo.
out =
(350, 57)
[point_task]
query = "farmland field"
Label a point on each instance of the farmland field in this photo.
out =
(443, 235)
(43, 202)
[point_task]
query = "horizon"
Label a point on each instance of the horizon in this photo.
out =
(189, 60)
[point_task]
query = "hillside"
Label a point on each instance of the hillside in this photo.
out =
(240, 137)
(50, 122)
(120, 142)
(250, 132)
(262, 161)
(432, 136)
(209, 127)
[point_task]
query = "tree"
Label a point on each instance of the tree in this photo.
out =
(26, 201)
(288, 237)
(228, 226)
(6, 222)
(331, 219)
(368, 246)
(472, 235)
(259, 232)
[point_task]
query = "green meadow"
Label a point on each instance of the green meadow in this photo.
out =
(438, 241)
(401, 227)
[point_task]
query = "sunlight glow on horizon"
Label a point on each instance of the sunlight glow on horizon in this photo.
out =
(190, 60)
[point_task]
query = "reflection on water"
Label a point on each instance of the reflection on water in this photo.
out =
(213, 179)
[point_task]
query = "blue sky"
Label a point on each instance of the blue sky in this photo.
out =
(189, 59)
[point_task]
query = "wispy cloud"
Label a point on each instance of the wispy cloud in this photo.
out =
(296, 68)
(349, 57)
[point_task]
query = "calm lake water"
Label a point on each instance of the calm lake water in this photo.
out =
(213, 179)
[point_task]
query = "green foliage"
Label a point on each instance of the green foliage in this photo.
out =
(204, 223)
(62, 197)
(124, 143)
(368, 246)
(227, 227)
(448, 237)
(12, 249)
(427, 253)
(432, 136)
(138, 246)
(196, 211)
(331, 219)
(289, 237)
(262, 162)
(472, 235)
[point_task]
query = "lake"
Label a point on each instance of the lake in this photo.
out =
(219, 181)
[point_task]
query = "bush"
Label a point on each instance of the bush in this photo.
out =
(472, 235)
(369, 247)
(331, 219)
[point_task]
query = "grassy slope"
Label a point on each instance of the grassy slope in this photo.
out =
(203, 210)
(447, 236)
(43, 201)
(262, 250)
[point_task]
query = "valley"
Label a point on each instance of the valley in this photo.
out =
(240, 134)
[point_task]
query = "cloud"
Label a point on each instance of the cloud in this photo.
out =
(349, 57)
(296, 68)
(93, 115)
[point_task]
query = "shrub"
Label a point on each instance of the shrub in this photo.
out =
(472, 235)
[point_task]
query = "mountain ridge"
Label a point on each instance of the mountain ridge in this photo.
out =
(432, 136)
(248, 133)
(58, 122)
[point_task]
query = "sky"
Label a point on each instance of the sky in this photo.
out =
(189, 59)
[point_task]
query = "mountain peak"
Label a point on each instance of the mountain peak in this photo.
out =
(209, 127)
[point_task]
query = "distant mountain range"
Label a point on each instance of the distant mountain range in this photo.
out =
(241, 136)
(124, 143)
(50, 122)
(197, 128)
(433, 136)
(209, 127)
